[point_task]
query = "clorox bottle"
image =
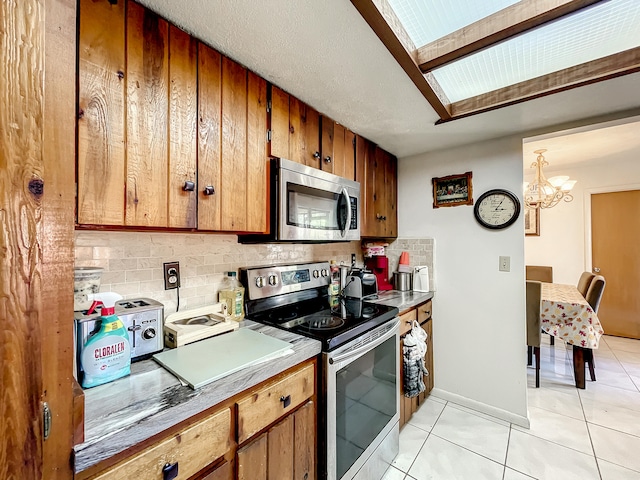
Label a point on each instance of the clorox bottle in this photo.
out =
(107, 354)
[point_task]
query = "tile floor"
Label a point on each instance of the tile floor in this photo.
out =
(575, 434)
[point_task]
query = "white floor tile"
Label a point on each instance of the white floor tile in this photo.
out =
(612, 416)
(611, 471)
(560, 429)
(510, 474)
(545, 460)
(393, 474)
(616, 447)
(411, 441)
(622, 344)
(565, 402)
(426, 416)
(464, 429)
(598, 392)
(442, 460)
(479, 414)
(432, 397)
(613, 379)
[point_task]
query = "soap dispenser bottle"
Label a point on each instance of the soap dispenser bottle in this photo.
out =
(107, 354)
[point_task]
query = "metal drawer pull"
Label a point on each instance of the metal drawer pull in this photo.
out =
(209, 190)
(189, 186)
(286, 401)
(170, 471)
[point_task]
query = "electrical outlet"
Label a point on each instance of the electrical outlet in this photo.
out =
(505, 264)
(171, 275)
(353, 260)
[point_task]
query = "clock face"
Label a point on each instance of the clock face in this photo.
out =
(497, 209)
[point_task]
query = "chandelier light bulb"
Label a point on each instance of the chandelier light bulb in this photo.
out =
(543, 193)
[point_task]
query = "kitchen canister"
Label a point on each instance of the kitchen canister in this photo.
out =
(402, 281)
(86, 280)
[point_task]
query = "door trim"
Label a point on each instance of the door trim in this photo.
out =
(587, 215)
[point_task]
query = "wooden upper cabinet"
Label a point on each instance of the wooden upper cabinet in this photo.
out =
(101, 115)
(147, 117)
(376, 170)
(183, 111)
(209, 137)
(279, 123)
(256, 188)
(344, 152)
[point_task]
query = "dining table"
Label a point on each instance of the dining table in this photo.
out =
(566, 314)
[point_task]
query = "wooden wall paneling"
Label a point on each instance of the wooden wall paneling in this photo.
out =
(252, 460)
(280, 449)
(183, 110)
(326, 144)
(209, 136)
(101, 115)
(37, 146)
(279, 145)
(257, 200)
(304, 444)
(147, 117)
(234, 146)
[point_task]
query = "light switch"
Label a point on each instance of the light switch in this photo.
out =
(505, 264)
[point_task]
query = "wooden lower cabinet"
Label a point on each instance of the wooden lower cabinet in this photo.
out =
(421, 314)
(280, 444)
(286, 450)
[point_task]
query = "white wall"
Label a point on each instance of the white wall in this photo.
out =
(479, 326)
(562, 241)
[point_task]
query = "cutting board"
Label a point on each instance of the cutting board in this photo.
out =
(203, 362)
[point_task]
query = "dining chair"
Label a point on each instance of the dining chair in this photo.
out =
(541, 274)
(534, 333)
(585, 282)
(593, 297)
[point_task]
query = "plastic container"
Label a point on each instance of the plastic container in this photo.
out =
(107, 354)
(86, 281)
(232, 293)
(334, 286)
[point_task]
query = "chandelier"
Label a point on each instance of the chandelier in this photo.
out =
(543, 193)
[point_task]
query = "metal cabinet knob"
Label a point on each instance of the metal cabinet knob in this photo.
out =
(327, 159)
(380, 217)
(170, 471)
(189, 186)
(596, 270)
(286, 401)
(316, 155)
(209, 190)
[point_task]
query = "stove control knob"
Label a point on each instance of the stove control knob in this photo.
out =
(324, 272)
(259, 282)
(316, 274)
(149, 333)
(273, 280)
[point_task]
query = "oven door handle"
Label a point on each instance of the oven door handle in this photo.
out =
(347, 224)
(367, 347)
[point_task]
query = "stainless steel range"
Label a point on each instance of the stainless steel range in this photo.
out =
(359, 403)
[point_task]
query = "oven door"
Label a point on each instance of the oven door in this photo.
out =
(313, 208)
(363, 404)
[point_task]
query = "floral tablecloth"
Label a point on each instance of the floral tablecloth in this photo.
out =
(564, 313)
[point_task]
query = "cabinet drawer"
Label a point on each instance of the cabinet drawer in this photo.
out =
(406, 320)
(193, 448)
(265, 406)
(424, 312)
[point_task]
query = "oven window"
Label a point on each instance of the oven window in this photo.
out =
(366, 396)
(312, 208)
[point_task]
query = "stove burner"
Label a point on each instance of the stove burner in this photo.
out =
(283, 316)
(369, 311)
(324, 322)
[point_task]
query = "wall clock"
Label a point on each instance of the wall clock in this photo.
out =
(497, 209)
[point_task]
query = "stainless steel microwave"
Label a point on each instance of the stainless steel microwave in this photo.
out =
(309, 205)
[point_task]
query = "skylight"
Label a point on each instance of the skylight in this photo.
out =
(470, 56)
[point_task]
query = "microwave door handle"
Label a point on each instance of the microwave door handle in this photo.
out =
(347, 199)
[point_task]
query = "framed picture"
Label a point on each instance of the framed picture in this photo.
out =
(452, 191)
(532, 222)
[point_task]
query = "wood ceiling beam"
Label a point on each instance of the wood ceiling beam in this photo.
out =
(605, 68)
(382, 20)
(506, 23)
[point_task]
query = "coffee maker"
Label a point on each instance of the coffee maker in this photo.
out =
(379, 265)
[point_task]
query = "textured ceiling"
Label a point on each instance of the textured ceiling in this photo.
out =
(324, 53)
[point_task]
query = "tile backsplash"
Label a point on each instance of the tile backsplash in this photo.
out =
(421, 252)
(132, 261)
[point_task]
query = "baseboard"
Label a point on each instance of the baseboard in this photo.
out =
(522, 421)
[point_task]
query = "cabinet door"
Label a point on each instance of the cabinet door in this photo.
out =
(279, 123)
(183, 102)
(304, 133)
(343, 152)
(252, 460)
(209, 137)
(365, 158)
(223, 472)
(326, 144)
(428, 359)
(304, 467)
(101, 116)
(257, 205)
(280, 449)
(233, 175)
(147, 119)
(390, 222)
